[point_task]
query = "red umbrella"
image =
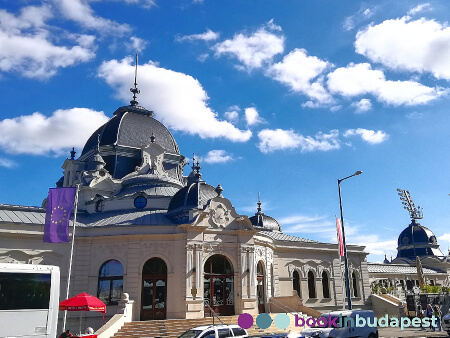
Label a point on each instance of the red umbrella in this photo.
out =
(83, 302)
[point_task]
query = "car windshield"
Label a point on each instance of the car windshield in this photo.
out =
(191, 334)
(323, 321)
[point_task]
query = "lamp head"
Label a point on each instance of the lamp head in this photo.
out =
(359, 172)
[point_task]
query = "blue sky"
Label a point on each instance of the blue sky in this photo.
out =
(277, 97)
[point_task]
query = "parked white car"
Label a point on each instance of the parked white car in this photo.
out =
(215, 331)
(343, 331)
(446, 323)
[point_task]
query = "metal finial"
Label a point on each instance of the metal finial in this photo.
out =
(408, 204)
(72, 153)
(219, 190)
(259, 204)
(135, 90)
(197, 168)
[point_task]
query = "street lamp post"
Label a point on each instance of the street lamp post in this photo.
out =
(347, 279)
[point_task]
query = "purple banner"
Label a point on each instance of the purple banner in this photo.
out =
(59, 207)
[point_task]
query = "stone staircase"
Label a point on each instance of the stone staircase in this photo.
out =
(172, 328)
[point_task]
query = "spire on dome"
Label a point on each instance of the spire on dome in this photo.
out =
(135, 90)
(259, 205)
(72, 153)
(195, 175)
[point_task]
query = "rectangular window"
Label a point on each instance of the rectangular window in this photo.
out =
(20, 291)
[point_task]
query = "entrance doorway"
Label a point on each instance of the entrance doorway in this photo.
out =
(260, 287)
(154, 289)
(218, 285)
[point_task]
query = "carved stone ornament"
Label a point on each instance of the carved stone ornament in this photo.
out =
(220, 216)
(152, 160)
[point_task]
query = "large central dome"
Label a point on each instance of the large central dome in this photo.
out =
(122, 137)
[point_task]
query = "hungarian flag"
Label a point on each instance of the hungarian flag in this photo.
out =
(340, 239)
(59, 207)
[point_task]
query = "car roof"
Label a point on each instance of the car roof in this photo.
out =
(219, 326)
(346, 312)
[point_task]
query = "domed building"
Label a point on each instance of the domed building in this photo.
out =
(416, 245)
(174, 243)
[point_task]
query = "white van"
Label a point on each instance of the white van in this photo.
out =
(29, 299)
(345, 325)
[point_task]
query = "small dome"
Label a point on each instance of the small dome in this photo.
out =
(194, 195)
(417, 240)
(264, 222)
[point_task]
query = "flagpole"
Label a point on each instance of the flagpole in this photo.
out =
(339, 239)
(71, 253)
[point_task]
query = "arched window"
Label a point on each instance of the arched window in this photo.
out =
(260, 290)
(325, 285)
(272, 281)
(311, 285)
(296, 282)
(355, 284)
(110, 282)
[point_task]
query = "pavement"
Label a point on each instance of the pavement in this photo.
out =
(388, 332)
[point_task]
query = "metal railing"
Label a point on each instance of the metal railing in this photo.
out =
(282, 306)
(214, 314)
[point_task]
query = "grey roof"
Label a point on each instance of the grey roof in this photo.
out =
(127, 217)
(399, 269)
(279, 236)
(149, 190)
(22, 214)
(260, 220)
(192, 196)
(133, 127)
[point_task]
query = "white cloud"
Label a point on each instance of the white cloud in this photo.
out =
(135, 44)
(256, 49)
(420, 8)
(271, 140)
(142, 3)
(361, 79)
(370, 136)
(209, 35)
(300, 225)
(232, 115)
(401, 44)
(217, 156)
(335, 108)
(203, 57)
(444, 238)
(351, 21)
(362, 106)
(252, 117)
(38, 134)
(27, 49)
(179, 100)
(80, 12)
(374, 245)
(6, 163)
(415, 115)
(300, 73)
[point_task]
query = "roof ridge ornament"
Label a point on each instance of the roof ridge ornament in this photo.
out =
(408, 204)
(259, 210)
(72, 153)
(135, 90)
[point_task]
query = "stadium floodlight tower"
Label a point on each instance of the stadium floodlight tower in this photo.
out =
(408, 204)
